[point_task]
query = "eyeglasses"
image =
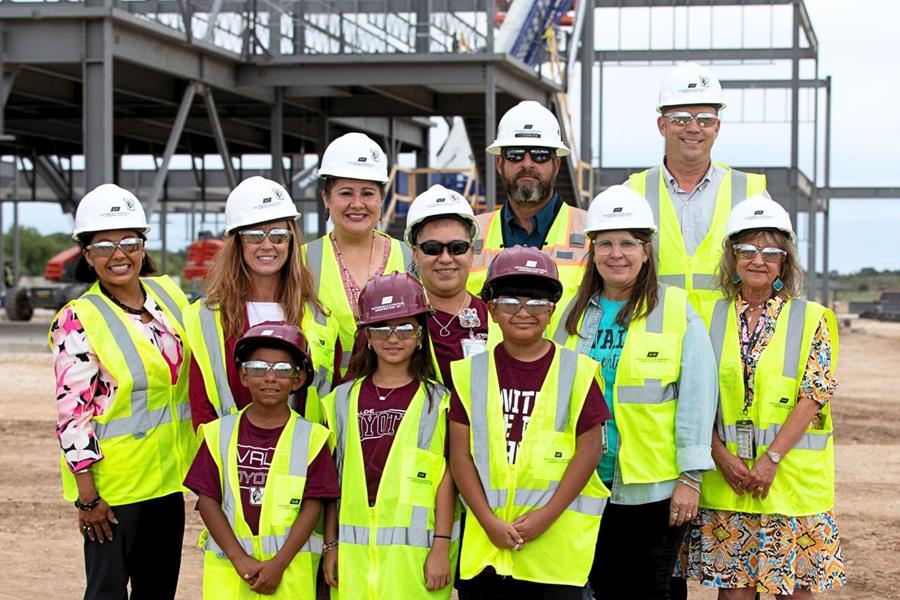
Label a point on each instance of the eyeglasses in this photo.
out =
(538, 155)
(256, 236)
(106, 249)
(436, 248)
(683, 119)
(535, 307)
(403, 332)
(628, 246)
(749, 252)
(261, 368)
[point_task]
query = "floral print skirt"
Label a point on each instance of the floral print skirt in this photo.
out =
(775, 553)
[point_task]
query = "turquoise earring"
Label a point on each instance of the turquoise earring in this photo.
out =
(778, 284)
(735, 279)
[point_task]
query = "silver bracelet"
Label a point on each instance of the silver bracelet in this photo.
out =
(689, 484)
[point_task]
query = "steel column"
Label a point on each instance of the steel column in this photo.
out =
(276, 134)
(97, 103)
(423, 26)
(587, 85)
(174, 135)
(490, 130)
(825, 226)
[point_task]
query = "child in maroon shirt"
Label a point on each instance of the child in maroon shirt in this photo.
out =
(273, 364)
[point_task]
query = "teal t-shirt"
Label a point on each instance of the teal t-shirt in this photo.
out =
(606, 349)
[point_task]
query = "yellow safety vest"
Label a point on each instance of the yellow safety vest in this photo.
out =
(145, 433)
(329, 285)
(565, 243)
(564, 553)
(298, 445)
(383, 547)
(645, 393)
(804, 482)
(694, 273)
(204, 330)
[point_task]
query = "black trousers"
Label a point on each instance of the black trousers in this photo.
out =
(487, 585)
(636, 552)
(145, 550)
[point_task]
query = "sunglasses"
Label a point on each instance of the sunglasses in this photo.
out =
(257, 236)
(403, 332)
(534, 307)
(628, 246)
(749, 252)
(107, 249)
(683, 119)
(261, 368)
(538, 155)
(435, 248)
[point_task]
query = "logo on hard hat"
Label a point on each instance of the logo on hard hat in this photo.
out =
(387, 299)
(704, 80)
(361, 159)
(617, 209)
(129, 203)
(691, 86)
(267, 200)
(531, 263)
(267, 332)
(529, 126)
(278, 193)
(115, 208)
(376, 155)
(439, 200)
(758, 212)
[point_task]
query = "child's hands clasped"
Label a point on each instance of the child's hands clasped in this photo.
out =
(247, 567)
(503, 534)
(269, 577)
(532, 524)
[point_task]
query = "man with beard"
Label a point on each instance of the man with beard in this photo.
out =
(691, 196)
(527, 154)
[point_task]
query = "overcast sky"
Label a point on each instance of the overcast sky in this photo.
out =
(859, 48)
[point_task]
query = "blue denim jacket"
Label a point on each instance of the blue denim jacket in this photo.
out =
(698, 389)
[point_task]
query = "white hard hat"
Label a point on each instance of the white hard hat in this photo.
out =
(438, 201)
(355, 156)
(759, 212)
(619, 207)
(257, 200)
(690, 83)
(528, 124)
(108, 207)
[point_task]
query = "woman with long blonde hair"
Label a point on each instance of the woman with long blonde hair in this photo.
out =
(259, 276)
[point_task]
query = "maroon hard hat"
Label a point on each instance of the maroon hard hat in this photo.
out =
(392, 296)
(276, 334)
(526, 264)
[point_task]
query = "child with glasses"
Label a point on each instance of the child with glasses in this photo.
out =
(262, 475)
(393, 534)
(526, 434)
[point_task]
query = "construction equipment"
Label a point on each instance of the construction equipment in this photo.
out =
(53, 290)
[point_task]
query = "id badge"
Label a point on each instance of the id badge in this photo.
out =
(746, 447)
(472, 346)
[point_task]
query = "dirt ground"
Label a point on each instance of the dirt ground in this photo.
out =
(41, 547)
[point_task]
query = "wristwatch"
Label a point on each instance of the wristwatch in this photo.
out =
(773, 456)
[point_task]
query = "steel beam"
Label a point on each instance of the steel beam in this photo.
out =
(701, 55)
(686, 3)
(777, 84)
(97, 102)
(221, 144)
(177, 127)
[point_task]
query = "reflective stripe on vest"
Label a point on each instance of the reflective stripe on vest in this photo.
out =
(141, 419)
(166, 299)
(270, 544)
(496, 498)
(651, 193)
(213, 341)
(796, 319)
(417, 534)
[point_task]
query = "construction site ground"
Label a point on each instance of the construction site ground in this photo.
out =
(41, 546)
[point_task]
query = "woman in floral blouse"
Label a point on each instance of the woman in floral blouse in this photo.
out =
(766, 521)
(123, 423)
